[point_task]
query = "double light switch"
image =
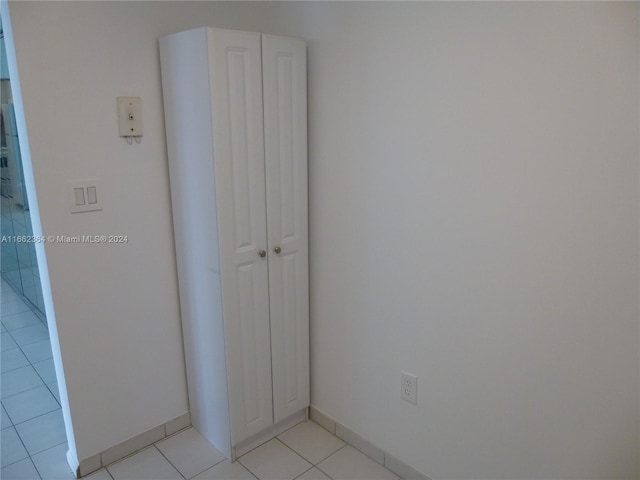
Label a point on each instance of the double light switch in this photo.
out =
(84, 196)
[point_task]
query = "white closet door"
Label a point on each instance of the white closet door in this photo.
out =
(285, 126)
(240, 191)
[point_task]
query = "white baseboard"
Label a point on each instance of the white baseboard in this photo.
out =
(369, 449)
(126, 448)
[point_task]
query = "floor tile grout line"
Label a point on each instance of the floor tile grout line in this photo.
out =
(23, 446)
(41, 378)
(246, 467)
(12, 330)
(276, 438)
(24, 344)
(119, 460)
(25, 390)
(27, 344)
(42, 451)
(16, 300)
(305, 458)
(32, 366)
(37, 416)
(20, 393)
(19, 312)
(250, 472)
(5, 412)
(11, 296)
(13, 308)
(174, 466)
(32, 463)
(13, 315)
(315, 466)
(11, 348)
(14, 369)
(26, 301)
(255, 448)
(170, 463)
(343, 446)
(33, 418)
(52, 392)
(30, 343)
(34, 467)
(294, 426)
(48, 338)
(310, 468)
(332, 453)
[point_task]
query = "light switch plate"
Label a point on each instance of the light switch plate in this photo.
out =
(130, 116)
(84, 195)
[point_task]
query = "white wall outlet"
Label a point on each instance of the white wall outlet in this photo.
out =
(409, 387)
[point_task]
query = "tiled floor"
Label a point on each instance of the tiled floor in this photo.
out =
(33, 444)
(305, 452)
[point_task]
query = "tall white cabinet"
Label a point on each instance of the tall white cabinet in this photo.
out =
(236, 123)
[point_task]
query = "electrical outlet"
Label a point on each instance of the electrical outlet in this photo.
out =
(409, 388)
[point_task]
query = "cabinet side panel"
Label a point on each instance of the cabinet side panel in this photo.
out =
(189, 130)
(240, 182)
(285, 119)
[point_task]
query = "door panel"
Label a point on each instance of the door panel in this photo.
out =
(249, 279)
(240, 191)
(285, 123)
(289, 329)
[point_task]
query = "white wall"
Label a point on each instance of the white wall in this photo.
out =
(474, 206)
(474, 220)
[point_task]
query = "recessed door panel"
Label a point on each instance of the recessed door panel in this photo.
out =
(286, 143)
(237, 65)
(289, 329)
(252, 347)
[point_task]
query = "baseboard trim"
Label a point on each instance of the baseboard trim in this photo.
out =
(266, 435)
(72, 461)
(132, 445)
(369, 449)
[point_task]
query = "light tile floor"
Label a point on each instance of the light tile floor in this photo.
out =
(304, 452)
(34, 445)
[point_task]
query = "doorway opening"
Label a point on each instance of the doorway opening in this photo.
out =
(33, 442)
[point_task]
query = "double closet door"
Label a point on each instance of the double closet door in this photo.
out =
(235, 110)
